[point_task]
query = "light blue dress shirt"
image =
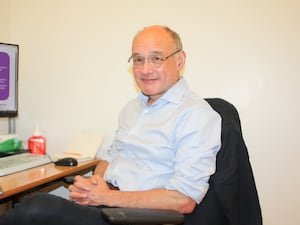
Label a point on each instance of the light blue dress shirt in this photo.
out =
(171, 144)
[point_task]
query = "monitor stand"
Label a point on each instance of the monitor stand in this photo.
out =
(11, 125)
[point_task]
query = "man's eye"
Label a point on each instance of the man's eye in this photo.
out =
(156, 58)
(138, 60)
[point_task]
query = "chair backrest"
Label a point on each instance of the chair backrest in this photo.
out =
(232, 197)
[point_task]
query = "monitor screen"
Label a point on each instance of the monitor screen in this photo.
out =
(9, 62)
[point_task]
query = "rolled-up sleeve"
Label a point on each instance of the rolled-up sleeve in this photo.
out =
(197, 138)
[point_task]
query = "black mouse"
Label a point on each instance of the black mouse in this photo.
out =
(68, 161)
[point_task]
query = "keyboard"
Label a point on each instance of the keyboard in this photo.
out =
(20, 162)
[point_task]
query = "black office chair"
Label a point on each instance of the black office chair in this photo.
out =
(232, 197)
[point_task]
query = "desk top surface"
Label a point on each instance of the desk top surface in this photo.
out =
(25, 180)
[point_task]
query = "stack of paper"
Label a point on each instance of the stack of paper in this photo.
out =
(84, 147)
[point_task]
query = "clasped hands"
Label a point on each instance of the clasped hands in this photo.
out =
(88, 191)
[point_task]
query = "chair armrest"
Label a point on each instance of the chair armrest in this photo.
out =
(69, 179)
(141, 216)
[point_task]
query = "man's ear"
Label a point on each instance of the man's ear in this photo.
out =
(181, 60)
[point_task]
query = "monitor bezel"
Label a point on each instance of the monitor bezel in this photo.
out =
(13, 113)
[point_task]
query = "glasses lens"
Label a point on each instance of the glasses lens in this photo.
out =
(137, 61)
(155, 60)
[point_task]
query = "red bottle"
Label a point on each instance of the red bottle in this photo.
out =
(37, 143)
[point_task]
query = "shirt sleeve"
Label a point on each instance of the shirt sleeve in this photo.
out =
(197, 140)
(109, 154)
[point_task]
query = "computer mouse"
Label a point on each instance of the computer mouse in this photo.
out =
(68, 161)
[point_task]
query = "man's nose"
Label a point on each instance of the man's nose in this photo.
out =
(145, 67)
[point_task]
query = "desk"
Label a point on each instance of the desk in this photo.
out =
(19, 183)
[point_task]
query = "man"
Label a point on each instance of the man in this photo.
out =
(164, 150)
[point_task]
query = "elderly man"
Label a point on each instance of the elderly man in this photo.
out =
(163, 153)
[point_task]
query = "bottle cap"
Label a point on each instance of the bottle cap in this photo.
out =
(37, 131)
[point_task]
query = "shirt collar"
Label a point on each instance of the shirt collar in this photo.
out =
(174, 94)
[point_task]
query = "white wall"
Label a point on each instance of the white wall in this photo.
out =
(74, 73)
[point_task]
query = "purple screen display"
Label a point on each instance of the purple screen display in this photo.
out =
(4, 76)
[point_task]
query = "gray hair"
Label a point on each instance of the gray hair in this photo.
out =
(173, 34)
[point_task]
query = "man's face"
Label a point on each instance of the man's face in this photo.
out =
(155, 81)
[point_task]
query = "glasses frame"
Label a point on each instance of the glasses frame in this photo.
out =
(164, 58)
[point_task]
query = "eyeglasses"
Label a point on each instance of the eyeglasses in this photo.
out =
(154, 60)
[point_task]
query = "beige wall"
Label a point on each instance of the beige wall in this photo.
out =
(74, 74)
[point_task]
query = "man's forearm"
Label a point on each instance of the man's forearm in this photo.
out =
(155, 199)
(101, 167)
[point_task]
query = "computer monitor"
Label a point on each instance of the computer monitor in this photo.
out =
(9, 63)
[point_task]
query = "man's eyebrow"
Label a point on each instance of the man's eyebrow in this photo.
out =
(150, 53)
(135, 54)
(156, 52)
